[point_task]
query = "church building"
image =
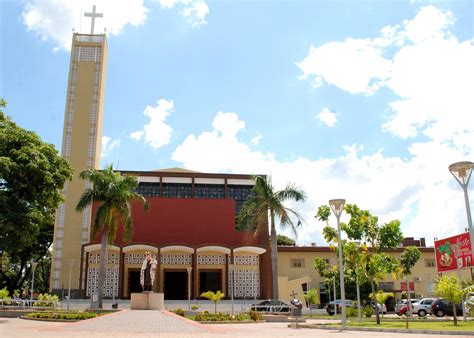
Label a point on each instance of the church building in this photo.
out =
(190, 227)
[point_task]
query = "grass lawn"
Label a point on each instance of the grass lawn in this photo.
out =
(441, 325)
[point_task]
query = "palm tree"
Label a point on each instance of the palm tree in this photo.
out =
(266, 202)
(214, 297)
(114, 193)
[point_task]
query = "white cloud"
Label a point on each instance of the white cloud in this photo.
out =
(108, 145)
(137, 135)
(195, 10)
(156, 133)
(419, 189)
(431, 72)
(327, 117)
(256, 139)
(54, 19)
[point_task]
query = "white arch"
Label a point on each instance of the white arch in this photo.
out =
(96, 247)
(186, 249)
(220, 249)
(140, 247)
(253, 249)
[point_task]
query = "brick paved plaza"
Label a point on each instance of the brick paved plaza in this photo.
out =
(137, 323)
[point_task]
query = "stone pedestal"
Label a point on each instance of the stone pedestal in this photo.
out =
(147, 301)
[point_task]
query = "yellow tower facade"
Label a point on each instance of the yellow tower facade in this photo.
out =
(81, 146)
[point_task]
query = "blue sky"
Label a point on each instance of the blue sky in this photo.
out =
(367, 100)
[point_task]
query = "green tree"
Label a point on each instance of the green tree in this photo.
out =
(32, 175)
(265, 203)
(214, 297)
(311, 298)
(382, 296)
(114, 193)
(363, 227)
(285, 241)
(327, 271)
(409, 257)
(448, 287)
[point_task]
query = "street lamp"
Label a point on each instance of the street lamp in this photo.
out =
(462, 173)
(33, 268)
(337, 206)
(231, 269)
(71, 263)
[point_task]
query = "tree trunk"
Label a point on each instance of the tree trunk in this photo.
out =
(455, 318)
(359, 315)
(215, 308)
(273, 239)
(374, 300)
(408, 297)
(103, 263)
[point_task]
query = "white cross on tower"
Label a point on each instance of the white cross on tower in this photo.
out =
(93, 15)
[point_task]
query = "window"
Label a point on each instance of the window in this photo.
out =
(240, 193)
(212, 191)
(177, 190)
(430, 263)
(386, 286)
(148, 189)
(297, 263)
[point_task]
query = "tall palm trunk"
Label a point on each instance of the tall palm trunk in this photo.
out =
(374, 300)
(103, 263)
(273, 239)
(408, 297)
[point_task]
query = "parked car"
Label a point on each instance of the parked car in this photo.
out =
(403, 302)
(440, 307)
(423, 307)
(382, 307)
(270, 305)
(330, 306)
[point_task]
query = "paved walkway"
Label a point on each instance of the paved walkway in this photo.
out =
(137, 323)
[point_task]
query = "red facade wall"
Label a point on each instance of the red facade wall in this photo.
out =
(188, 221)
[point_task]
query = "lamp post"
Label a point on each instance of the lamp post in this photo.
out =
(462, 173)
(33, 268)
(189, 287)
(337, 205)
(71, 263)
(231, 269)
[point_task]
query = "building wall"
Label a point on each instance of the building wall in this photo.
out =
(422, 275)
(81, 147)
(188, 221)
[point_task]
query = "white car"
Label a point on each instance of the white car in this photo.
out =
(422, 307)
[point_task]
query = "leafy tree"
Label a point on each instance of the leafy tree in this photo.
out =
(32, 175)
(285, 241)
(382, 296)
(448, 287)
(114, 193)
(214, 297)
(266, 202)
(409, 257)
(327, 271)
(363, 227)
(311, 298)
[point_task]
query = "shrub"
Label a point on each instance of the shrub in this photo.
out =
(351, 312)
(254, 315)
(179, 312)
(367, 311)
(194, 307)
(4, 293)
(62, 315)
(7, 300)
(48, 299)
(199, 317)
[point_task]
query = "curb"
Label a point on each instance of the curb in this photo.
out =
(53, 320)
(370, 329)
(232, 322)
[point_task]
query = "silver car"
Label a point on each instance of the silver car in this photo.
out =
(423, 307)
(403, 302)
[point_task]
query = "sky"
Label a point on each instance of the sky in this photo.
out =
(369, 101)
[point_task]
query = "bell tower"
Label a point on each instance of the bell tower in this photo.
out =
(81, 146)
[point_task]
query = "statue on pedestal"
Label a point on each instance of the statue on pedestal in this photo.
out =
(148, 271)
